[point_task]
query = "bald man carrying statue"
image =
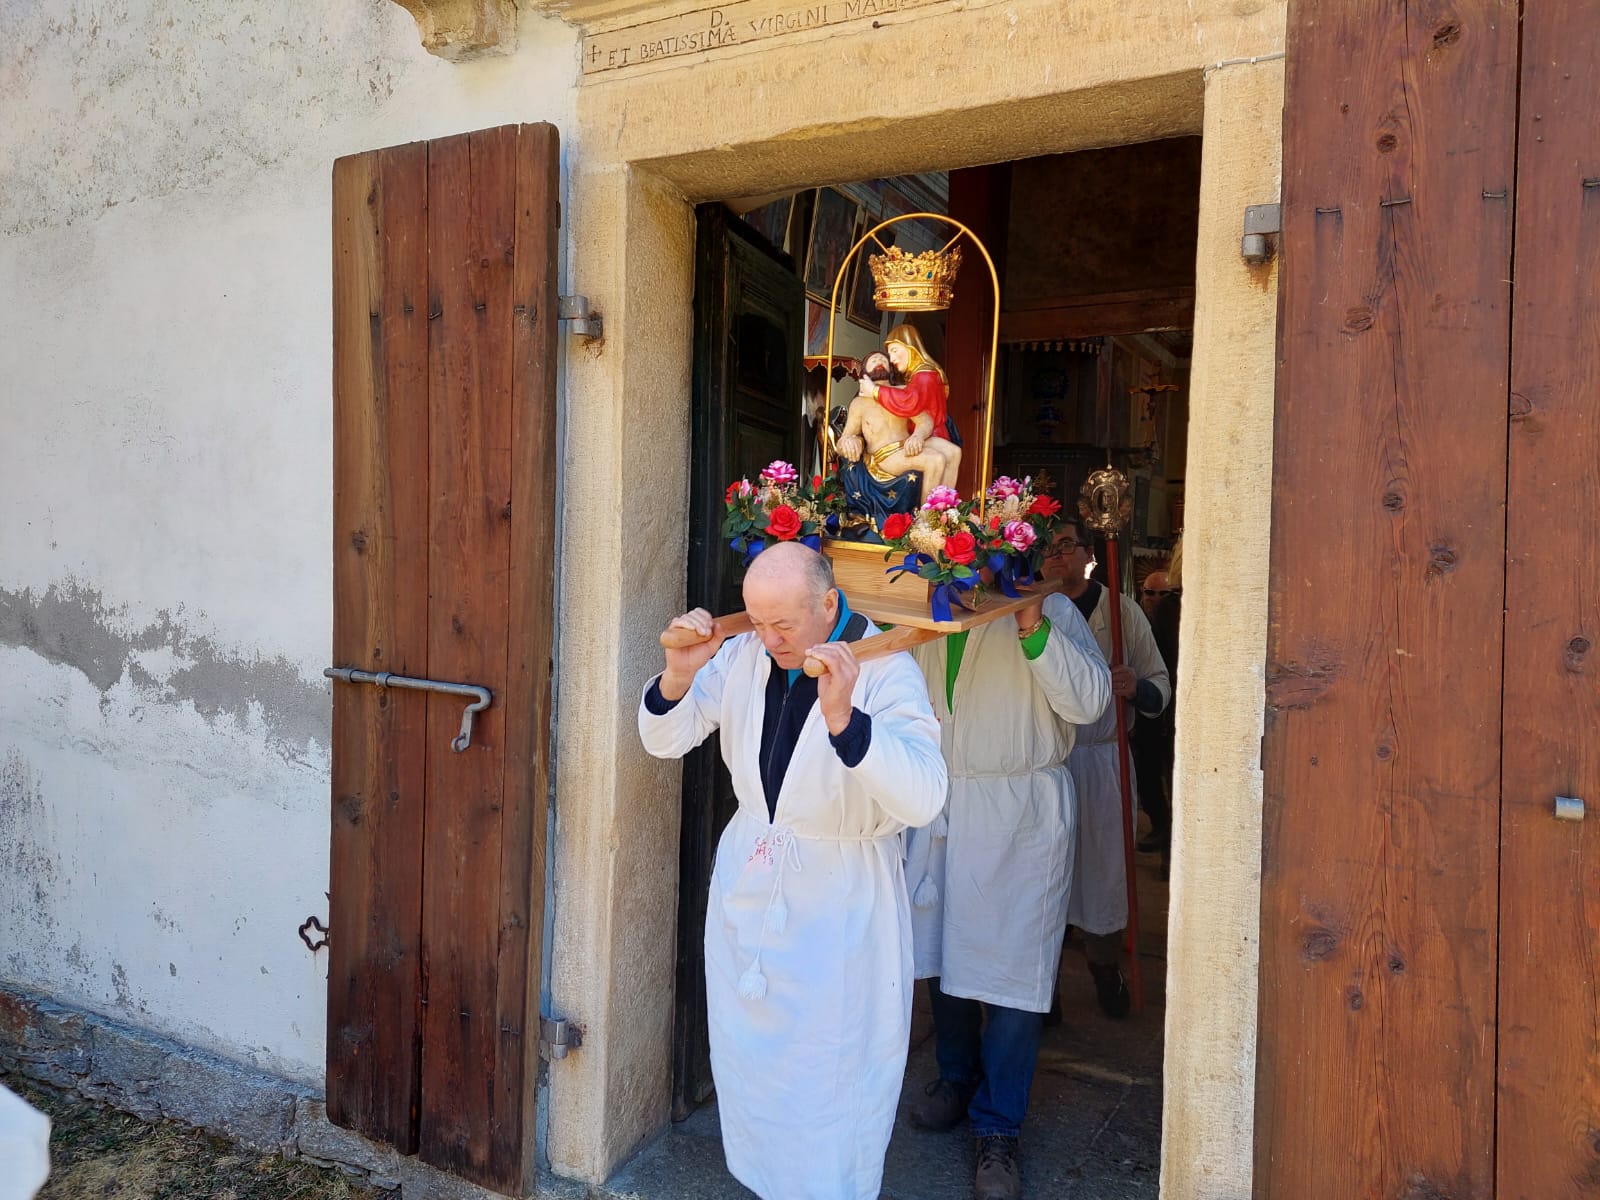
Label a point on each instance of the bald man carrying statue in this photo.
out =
(808, 928)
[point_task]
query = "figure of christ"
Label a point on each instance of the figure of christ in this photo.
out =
(897, 430)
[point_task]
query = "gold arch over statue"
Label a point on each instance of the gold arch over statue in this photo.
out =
(829, 450)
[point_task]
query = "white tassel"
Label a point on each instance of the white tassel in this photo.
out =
(941, 826)
(752, 984)
(927, 893)
(778, 915)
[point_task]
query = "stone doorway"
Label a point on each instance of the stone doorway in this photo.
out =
(1100, 302)
(632, 218)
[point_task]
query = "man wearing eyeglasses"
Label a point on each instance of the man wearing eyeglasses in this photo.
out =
(1098, 905)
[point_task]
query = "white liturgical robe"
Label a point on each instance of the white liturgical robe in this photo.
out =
(808, 927)
(990, 878)
(1100, 879)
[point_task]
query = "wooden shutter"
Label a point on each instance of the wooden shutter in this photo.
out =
(444, 528)
(1548, 1130)
(1382, 750)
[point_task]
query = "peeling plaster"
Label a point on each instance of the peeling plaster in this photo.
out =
(21, 856)
(70, 625)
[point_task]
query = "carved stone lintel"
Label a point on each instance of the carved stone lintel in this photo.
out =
(463, 29)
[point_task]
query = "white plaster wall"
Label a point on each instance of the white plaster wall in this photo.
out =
(165, 501)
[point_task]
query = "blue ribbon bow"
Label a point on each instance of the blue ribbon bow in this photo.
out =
(944, 594)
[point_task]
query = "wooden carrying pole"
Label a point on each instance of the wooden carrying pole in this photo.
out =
(902, 637)
(1124, 777)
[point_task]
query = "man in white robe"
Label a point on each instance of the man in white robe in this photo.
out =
(1099, 906)
(991, 877)
(808, 927)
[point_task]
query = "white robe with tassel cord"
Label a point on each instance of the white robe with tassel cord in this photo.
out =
(990, 878)
(808, 928)
(1100, 877)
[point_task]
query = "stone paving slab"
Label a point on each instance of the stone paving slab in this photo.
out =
(1093, 1130)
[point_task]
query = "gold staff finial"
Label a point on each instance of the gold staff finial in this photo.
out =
(1105, 502)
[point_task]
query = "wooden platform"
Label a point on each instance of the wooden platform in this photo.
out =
(897, 612)
(862, 572)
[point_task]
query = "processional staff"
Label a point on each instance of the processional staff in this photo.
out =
(1106, 506)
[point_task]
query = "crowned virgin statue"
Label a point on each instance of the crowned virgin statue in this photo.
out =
(899, 442)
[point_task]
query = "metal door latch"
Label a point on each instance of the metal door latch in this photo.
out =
(557, 1036)
(481, 695)
(580, 319)
(1569, 808)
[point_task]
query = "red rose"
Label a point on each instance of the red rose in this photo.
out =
(961, 548)
(733, 488)
(895, 526)
(784, 523)
(816, 482)
(1044, 506)
(994, 522)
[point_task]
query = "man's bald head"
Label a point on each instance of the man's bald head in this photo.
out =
(1155, 589)
(794, 565)
(789, 594)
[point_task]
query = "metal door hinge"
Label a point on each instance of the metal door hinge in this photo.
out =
(1262, 225)
(582, 320)
(557, 1036)
(1569, 808)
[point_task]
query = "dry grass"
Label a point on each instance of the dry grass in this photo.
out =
(98, 1153)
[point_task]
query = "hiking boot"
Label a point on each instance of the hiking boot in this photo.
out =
(941, 1106)
(1111, 989)
(999, 1175)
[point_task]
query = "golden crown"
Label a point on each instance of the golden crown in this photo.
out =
(914, 282)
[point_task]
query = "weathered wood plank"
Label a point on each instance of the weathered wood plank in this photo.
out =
(380, 564)
(1381, 757)
(1549, 1111)
(1095, 316)
(532, 640)
(471, 242)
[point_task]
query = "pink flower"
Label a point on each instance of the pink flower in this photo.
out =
(779, 474)
(1020, 534)
(738, 488)
(941, 499)
(1004, 488)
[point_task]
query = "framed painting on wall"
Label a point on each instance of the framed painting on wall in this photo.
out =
(833, 230)
(858, 301)
(772, 222)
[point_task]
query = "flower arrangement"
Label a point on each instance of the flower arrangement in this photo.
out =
(780, 507)
(1027, 520)
(946, 542)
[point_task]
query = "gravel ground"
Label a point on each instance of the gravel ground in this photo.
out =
(98, 1153)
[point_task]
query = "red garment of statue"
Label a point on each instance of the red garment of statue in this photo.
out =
(925, 392)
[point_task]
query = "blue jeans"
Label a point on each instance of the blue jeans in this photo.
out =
(998, 1056)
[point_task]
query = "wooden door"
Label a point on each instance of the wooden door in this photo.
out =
(444, 524)
(749, 323)
(1548, 1133)
(1381, 760)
